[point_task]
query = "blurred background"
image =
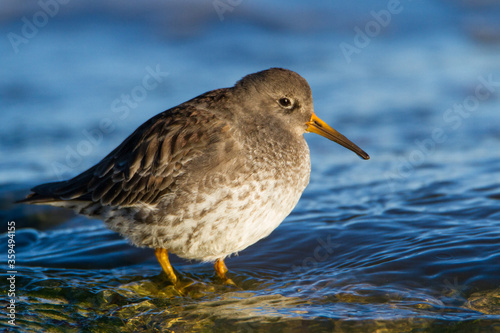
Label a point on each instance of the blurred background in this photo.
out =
(413, 232)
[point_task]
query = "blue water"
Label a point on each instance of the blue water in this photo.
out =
(406, 241)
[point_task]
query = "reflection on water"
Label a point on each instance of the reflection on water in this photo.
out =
(406, 241)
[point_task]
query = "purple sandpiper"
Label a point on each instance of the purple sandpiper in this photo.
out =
(207, 178)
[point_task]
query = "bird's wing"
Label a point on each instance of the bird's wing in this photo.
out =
(146, 164)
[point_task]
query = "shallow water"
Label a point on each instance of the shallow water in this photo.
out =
(406, 241)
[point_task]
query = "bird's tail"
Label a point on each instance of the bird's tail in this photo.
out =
(60, 193)
(57, 193)
(44, 194)
(63, 194)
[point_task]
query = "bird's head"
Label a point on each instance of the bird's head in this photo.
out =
(284, 94)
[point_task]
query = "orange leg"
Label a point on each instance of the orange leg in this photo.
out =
(221, 270)
(162, 256)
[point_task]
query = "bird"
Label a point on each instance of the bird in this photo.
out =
(207, 178)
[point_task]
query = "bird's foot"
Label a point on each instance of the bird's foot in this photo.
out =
(221, 270)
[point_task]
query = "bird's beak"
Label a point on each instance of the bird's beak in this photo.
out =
(318, 126)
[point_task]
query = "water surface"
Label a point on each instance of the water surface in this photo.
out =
(403, 242)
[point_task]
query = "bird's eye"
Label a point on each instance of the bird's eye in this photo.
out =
(285, 102)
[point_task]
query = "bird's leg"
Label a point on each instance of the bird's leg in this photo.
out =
(221, 270)
(162, 256)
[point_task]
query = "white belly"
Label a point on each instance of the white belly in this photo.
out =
(236, 224)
